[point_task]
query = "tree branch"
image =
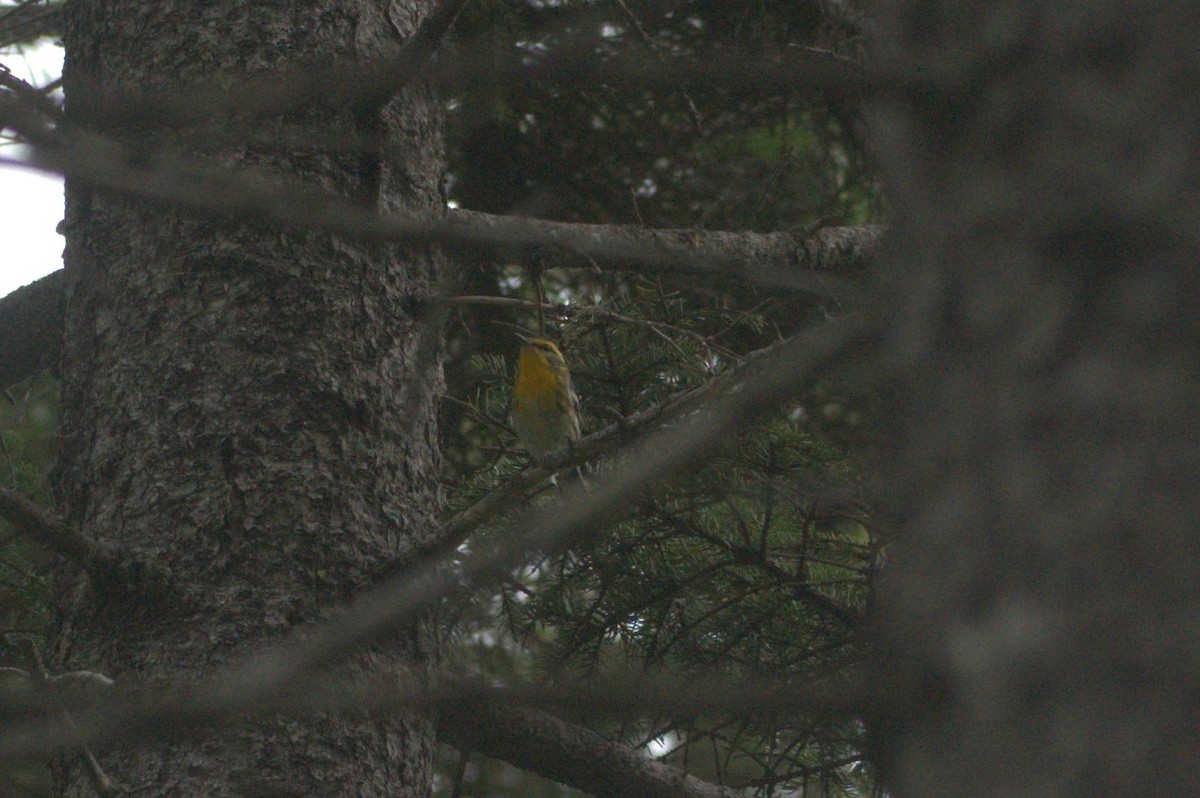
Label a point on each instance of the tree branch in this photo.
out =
(164, 712)
(31, 317)
(776, 260)
(280, 671)
(569, 754)
(47, 528)
(521, 485)
(31, 21)
(108, 565)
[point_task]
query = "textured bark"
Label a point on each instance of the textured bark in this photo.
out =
(241, 405)
(1040, 612)
(31, 329)
(30, 323)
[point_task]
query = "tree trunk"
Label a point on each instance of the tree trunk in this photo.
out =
(1039, 618)
(243, 405)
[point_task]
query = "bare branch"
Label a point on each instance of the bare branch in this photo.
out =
(30, 21)
(778, 260)
(110, 566)
(47, 528)
(29, 94)
(566, 753)
(288, 669)
(31, 317)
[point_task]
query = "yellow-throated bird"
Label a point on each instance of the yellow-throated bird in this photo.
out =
(545, 409)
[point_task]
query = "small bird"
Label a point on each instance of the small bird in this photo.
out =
(545, 409)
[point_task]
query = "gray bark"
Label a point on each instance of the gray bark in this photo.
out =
(31, 329)
(241, 405)
(1039, 615)
(31, 317)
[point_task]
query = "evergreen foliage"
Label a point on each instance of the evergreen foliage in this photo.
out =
(756, 568)
(27, 447)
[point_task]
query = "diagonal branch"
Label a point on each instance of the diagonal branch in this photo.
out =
(111, 566)
(30, 21)
(47, 528)
(569, 754)
(599, 444)
(277, 671)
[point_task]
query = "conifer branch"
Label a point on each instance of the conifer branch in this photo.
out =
(110, 566)
(569, 754)
(46, 527)
(592, 447)
(280, 672)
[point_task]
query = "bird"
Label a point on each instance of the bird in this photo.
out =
(545, 408)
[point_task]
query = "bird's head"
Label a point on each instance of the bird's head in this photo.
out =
(538, 355)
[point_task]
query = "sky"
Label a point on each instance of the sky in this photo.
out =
(31, 203)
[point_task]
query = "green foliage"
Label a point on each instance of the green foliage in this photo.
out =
(664, 155)
(712, 574)
(28, 419)
(757, 566)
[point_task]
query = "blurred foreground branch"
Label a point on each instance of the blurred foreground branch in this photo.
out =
(776, 260)
(120, 716)
(282, 672)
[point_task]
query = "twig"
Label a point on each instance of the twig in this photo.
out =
(101, 783)
(464, 756)
(280, 673)
(111, 567)
(569, 311)
(779, 260)
(654, 47)
(30, 94)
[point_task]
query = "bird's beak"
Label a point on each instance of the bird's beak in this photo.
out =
(524, 338)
